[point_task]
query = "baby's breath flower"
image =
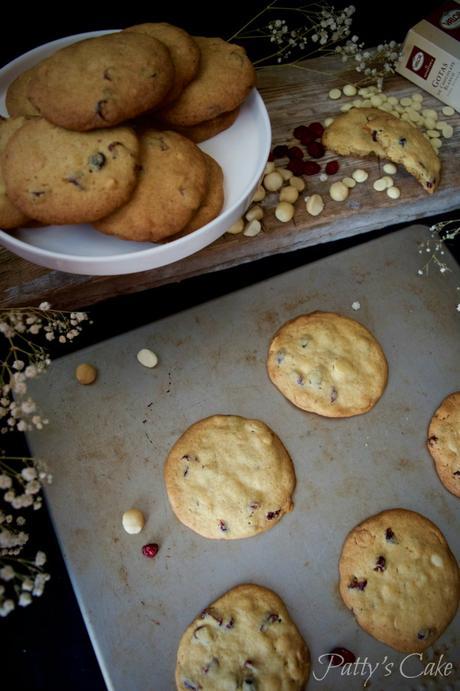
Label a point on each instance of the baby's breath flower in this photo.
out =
(7, 573)
(25, 599)
(40, 558)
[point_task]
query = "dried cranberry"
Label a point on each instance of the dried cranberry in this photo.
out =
(360, 585)
(316, 129)
(316, 149)
(432, 440)
(389, 535)
(273, 514)
(295, 152)
(150, 550)
(223, 526)
(301, 131)
(295, 165)
(280, 151)
(380, 564)
(310, 168)
(332, 167)
(307, 137)
(341, 656)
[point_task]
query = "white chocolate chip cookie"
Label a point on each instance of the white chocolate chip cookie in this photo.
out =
(229, 477)
(400, 579)
(244, 640)
(444, 442)
(327, 364)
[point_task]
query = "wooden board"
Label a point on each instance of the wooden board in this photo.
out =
(294, 96)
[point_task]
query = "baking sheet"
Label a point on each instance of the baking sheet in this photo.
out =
(106, 445)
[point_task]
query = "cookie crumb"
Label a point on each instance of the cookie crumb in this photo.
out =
(147, 358)
(86, 374)
(356, 305)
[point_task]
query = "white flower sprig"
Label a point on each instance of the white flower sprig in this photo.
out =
(373, 64)
(434, 247)
(25, 359)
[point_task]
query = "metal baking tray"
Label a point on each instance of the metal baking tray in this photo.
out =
(106, 445)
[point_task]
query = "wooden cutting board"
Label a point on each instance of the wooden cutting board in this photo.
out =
(293, 96)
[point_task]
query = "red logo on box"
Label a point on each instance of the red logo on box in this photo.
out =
(420, 62)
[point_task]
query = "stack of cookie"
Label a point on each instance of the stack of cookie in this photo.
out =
(104, 131)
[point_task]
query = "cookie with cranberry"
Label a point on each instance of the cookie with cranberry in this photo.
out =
(58, 176)
(172, 184)
(10, 215)
(229, 477)
(400, 579)
(244, 640)
(102, 81)
(209, 128)
(327, 364)
(17, 99)
(444, 442)
(184, 51)
(213, 200)
(348, 135)
(225, 78)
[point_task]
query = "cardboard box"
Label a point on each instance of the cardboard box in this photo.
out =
(431, 54)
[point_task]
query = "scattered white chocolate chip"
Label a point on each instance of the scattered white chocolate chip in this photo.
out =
(436, 560)
(392, 100)
(259, 194)
(147, 358)
(273, 181)
(430, 113)
(298, 183)
(133, 521)
(236, 227)
(360, 175)
(405, 101)
(269, 168)
(284, 212)
(393, 192)
(328, 121)
(285, 173)
(314, 204)
(418, 98)
(357, 102)
(390, 168)
(255, 212)
(380, 185)
(355, 305)
(376, 100)
(447, 131)
(334, 94)
(338, 191)
(433, 133)
(349, 90)
(447, 110)
(349, 182)
(86, 374)
(289, 194)
(346, 107)
(436, 143)
(388, 180)
(252, 229)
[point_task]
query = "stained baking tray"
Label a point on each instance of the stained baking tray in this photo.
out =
(106, 445)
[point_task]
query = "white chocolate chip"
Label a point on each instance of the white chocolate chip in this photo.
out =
(447, 110)
(328, 122)
(273, 181)
(133, 521)
(433, 133)
(349, 182)
(334, 94)
(447, 131)
(255, 212)
(346, 107)
(298, 183)
(285, 173)
(380, 185)
(349, 90)
(388, 180)
(405, 101)
(360, 175)
(436, 560)
(436, 143)
(259, 194)
(269, 168)
(323, 177)
(314, 204)
(147, 358)
(376, 100)
(393, 192)
(289, 194)
(357, 102)
(338, 191)
(252, 229)
(390, 168)
(236, 227)
(392, 100)
(418, 98)
(430, 113)
(284, 212)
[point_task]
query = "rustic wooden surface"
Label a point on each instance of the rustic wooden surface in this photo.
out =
(294, 96)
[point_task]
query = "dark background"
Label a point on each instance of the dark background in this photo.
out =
(46, 647)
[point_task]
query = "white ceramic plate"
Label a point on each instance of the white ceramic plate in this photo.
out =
(242, 151)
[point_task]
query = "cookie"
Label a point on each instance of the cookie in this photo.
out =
(17, 100)
(400, 579)
(225, 78)
(404, 143)
(209, 128)
(444, 442)
(213, 200)
(172, 185)
(102, 81)
(327, 364)
(244, 640)
(57, 176)
(185, 54)
(10, 215)
(228, 477)
(348, 135)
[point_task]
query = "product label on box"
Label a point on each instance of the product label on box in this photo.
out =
(447, 18)
(420, 62)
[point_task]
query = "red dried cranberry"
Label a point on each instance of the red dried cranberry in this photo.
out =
(316, 149)
(150, 550)
(360, 585)
(332, 167)
(389, 535)
(280, 151)
(295, 152)
(301, 131)
(316, 129)
(380, 564)
(341, 656)
(270, 156)
(310, 168)
(295, 165)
